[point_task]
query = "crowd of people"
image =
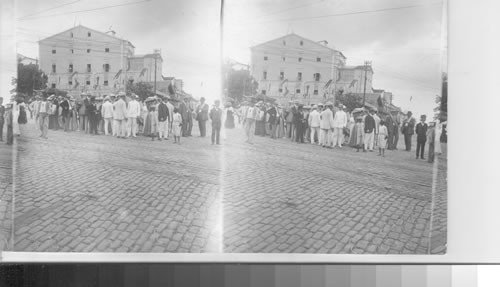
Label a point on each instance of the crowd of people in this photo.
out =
(333, 127)
(124, 116)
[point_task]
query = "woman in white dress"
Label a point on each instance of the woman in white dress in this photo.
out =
(437, 141)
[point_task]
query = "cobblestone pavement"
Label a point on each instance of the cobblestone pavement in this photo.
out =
(286, 197)
(82, 193)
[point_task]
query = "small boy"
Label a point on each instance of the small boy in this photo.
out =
(9, 123)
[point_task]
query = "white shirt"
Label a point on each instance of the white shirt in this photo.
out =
(340, 119)
(134, 109)
(314, 119)
(107, 110)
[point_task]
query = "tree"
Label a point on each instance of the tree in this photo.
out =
(29, 78)
(441, 110)
(142, 89)
(239, 83)
(349, 100)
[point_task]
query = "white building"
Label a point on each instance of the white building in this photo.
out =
(81, 59)
(351, 79)
(293, 67)
(26, 60)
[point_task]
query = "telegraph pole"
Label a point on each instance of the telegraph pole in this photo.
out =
(155, 72)
(367, 64)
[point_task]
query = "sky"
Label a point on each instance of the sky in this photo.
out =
(407, 46)
(187, 32)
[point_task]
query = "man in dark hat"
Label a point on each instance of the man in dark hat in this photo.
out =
(202, 116)
(421, 131)
(216, 118)
(163, 118)
(408, 129)
(65, 113)
(369, 131)
(92, 115)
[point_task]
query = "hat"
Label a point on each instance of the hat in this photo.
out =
(320, 105)
(328, 104)
(314, 107)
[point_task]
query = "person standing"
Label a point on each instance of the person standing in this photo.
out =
(9, 123)
(438, 133)
(397, 123)
(431, 139)
(119, 115)
(377, 119)
(273, 120)
(216, 118)
(107, 114)
(186, 114)
(43, 117)
(202, 117)
(421, 131)
(250, 118)
(389, 123)
(170, 116)
(92, 112)
(382, 135)
(2, 120)
(299, 124)
(408, 129)
(314, 123)
(339, 123)
(65, 113)
(229, 121)
(34, 107)
(82, 113)
(369, 131)
(326, 126)
(163, 119)
(133, 112)
(177, 126)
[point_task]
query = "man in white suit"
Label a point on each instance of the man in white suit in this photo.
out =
(339, 123)
(326, 126)
(107, 114)
(119, 115)
(133, 111)
(314, 123)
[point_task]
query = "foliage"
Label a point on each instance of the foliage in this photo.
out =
(239, 83)
(29, 78)
(349, 100)
(142, 89)
(441, 110)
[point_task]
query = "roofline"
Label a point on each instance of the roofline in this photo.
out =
(272, 40)
(93, 30)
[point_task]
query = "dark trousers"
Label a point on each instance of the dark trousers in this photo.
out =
(299, 133)
(10, 134)
(1, 128)
(420, 148)
(289, 129)
(185, 128)
(216, 134)
(203, 128)
(390, 140)
(408, 142)
(396, 138)
(93, 124)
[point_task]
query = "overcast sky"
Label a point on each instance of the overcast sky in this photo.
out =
(187, 32)
(404, 45)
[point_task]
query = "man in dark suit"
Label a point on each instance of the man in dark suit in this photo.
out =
(202, 117)
(273, 120)
(216, 118)
(421, 131)
(65, 113)
(369, 131)
(389, 123)
(408, 129)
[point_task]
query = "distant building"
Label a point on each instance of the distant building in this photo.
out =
(295, 68)
(26, 60)
(351, 79)
(81, 59)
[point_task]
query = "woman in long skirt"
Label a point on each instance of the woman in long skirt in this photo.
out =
(151, 125)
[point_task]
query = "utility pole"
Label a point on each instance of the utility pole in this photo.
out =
(367, 64)
(155, 72)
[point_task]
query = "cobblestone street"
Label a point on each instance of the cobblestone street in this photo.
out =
(80, 193)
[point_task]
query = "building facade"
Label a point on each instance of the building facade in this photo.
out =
(295, 68)
(83, 60)
(351, 79)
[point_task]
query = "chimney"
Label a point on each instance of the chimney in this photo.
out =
(324, 43)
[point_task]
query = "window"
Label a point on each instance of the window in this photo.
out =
(264, 75)
(284, 42)
(283, 58)
(106, 67)
(263, 92)
(53, 85)
(89, 68)
(282, 75)
(87, 83)
(88, 51)
(300, 59)
(318, 59)
(302, 43)
(89, 34)
(72, 51)
(265, 58)
(315, 92)
(53, 68)
(70, 83)
(70, 69)
(317, 77)
(53, 51)
(71, 35)
(280, 90)
(106, 83)
(297, 91)
(299, 76)
(106, 50)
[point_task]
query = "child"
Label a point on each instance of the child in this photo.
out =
(176, 126)
(9, 121)
(382, 138)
